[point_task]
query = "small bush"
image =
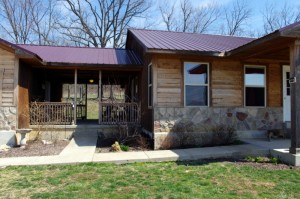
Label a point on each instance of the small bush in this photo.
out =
(183, 130)
(223, 134)
(124, 147)
(274, 160)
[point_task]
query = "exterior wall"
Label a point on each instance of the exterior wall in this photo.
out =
(226, 84)
(243, 119)
(168, 82)
(8, 90)
(226, 98)
(274, 85)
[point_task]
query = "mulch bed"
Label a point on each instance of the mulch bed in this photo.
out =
(36, 148)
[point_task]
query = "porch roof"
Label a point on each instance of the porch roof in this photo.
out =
(83, 55)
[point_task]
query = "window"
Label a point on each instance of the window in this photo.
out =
(196, 83)
(255, 86)
(150, 83)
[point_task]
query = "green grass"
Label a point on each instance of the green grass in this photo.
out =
(148, 180)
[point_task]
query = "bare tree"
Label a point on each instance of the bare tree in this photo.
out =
(17, 23)
(186, 11)
(185, 18)
(236, 17)
(100, 22)
(205, 16)
(29, 21)
(167, 12)
(277, 18)
(45, 16)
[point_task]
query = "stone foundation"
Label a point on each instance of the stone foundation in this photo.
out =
(249, 122)
(8, 118)
(8, 123)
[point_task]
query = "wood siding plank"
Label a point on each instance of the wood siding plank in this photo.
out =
(226, 84)
(274, 85)
(169, 82)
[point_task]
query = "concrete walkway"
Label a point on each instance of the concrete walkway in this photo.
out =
(82, 150)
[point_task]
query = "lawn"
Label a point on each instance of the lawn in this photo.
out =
(149, 180)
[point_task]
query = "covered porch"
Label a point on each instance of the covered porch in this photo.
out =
(70, 86)
(283, 46)
(65, 97)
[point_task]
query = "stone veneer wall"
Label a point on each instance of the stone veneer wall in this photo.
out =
(243, 119)
(8, 118)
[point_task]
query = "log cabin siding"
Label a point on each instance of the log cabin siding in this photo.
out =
(168, 81)
(226, 82)
(7, 78)
(274, 85)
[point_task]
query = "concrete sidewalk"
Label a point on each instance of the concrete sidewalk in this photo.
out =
(82, 150)
(84, 154)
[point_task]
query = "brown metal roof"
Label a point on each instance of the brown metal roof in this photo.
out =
(82, 55)
(166, 40)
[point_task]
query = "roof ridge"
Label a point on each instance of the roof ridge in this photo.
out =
(82, 47)
(194, 33)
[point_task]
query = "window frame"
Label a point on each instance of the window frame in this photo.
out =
(150, 86)
(207, 84)
(254, 86)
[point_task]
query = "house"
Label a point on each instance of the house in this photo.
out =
(162, 78)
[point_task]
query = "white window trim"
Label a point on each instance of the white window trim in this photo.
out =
(255, 86)
(208, 86)
(150, 86)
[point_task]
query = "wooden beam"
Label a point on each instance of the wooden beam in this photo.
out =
(16, 83)
(100, 96)
(295, 94)
(75, 96)
(1, 82)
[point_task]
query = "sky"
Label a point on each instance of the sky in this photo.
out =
(257, 6)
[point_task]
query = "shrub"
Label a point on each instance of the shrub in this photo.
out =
(183, 130)
(223, 134)
(124, 147)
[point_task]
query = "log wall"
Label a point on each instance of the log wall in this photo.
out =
(274, 85)
(8, 79)
(168, 82)
(226, 82)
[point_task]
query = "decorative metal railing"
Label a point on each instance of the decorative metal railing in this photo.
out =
(119, 113)
(51, 113)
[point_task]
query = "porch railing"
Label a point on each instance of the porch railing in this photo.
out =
(119, 113)
(51, 113)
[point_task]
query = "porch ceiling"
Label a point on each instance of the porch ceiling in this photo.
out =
(274, 48)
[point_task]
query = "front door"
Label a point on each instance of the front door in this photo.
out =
(286, 93)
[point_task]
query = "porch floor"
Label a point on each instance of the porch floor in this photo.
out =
(82, 149)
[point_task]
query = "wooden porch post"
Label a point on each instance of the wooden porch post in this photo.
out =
(295, 94)
(75, 96)
(100, 96)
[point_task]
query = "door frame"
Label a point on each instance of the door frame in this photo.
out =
(285, 68)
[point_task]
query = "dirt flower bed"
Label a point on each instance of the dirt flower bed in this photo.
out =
(36, 148)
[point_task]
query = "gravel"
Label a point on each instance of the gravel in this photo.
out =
(36, 148)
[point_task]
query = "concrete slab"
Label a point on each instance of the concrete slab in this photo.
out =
(167, 155)
(273, 144)
(121, 157)
(8, 138)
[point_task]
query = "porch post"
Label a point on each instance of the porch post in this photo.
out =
(100, 96)
(75, 96)
(295, 94)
